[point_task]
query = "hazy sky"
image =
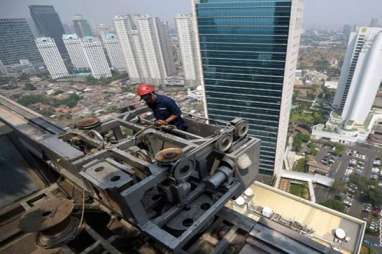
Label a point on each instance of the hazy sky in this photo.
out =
(318, 13)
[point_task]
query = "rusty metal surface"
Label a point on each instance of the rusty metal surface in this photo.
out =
(88, 123)
(46, 215)
(169, 155)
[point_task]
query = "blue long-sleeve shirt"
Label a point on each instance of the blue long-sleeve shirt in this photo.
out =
(164, 107)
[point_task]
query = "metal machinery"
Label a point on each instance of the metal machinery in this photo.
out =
(122, 185)
(166, 184)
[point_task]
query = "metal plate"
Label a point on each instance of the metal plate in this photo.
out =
(106, 175)
(190, 214)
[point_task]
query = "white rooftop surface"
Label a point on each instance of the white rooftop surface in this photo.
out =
(323, 221)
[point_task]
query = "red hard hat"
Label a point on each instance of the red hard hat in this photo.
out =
(143, 89)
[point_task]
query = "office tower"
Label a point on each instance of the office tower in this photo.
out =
(74, 47)
(114, 52)
(187, 46)
(248, 51)
(52, 58)
(361, 75)
(17, 42)
(96, 57)
(81, 26)
(146, 47)
(48, 24)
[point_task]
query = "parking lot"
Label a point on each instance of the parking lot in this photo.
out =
(359, 160)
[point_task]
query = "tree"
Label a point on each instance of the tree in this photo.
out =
(313, 150)
(360, 181)
(339, 149)
(334, 204)
(298, 140)
(300, 190)
(91, 80)
(71, 101)
(374, 195)
(338, 186)
(300, 165)
(28, 100)
(318, 117)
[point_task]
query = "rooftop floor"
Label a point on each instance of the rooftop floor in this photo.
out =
(321, 220)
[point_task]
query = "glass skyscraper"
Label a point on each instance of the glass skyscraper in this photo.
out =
(248, 51)
(17, 42)
(48, 24)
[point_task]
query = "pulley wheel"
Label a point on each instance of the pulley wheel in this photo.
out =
(47, 214)
(88, 123)
(169, 155)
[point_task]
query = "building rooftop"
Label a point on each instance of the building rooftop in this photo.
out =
(321, 221)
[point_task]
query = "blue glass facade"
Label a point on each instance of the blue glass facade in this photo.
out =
(243, 46)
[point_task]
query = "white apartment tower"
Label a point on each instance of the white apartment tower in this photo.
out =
(187, 46)
(52, 58)
(114, 52)
(123, 27)
(361, 75)
(96, 57)
(74, 47)
(146, 47)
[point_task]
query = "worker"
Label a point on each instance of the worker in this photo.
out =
(165, 110)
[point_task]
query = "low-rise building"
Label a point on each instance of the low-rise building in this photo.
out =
(336, 130)
(316, 167)
(271, 206)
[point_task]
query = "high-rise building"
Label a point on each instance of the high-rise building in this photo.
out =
(155, 47)
(248, 51)
(52, 58)
(114, 52)
(146, 47)
(81, 26)
(48, 24)
(166, 48)
(187, 46)
(124, 27)
(74, 47)
(361, 75)
(17, 42)
(96, 58)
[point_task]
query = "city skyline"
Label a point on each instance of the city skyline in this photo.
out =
(316, 13)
